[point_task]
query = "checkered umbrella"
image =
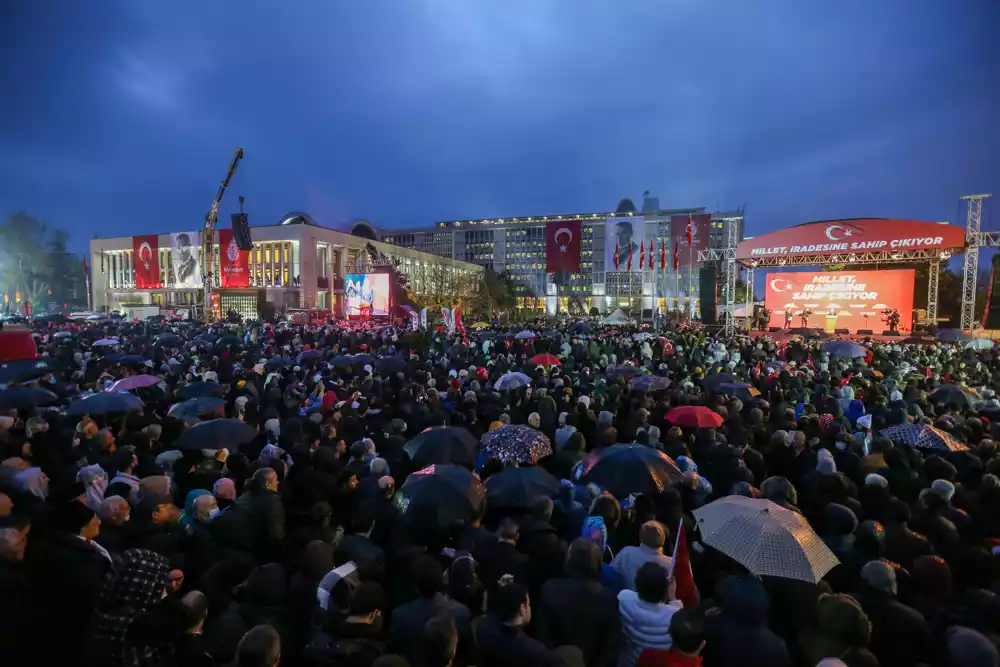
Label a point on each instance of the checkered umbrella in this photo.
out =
(923, 436)
(650, 383)
(765, 538)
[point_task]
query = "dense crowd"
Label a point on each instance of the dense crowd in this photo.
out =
(176, 494)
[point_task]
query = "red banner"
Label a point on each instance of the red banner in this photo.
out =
(848, 236)
(698, 227)
(235, 269)
(562, 246)
(852, 299)
(147, 261)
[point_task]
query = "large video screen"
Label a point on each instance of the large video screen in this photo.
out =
(851, 299)
(367, 294)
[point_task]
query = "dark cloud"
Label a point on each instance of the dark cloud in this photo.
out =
(125, 114)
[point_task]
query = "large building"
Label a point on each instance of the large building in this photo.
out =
(516, 247)
(294, 264)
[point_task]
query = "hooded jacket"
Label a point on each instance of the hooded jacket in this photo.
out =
(644, 625)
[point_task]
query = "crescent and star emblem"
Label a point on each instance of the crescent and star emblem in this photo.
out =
(779, 285)
(830, 232)
(145, 254)
(563, 247)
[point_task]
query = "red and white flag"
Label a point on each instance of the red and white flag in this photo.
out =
(677, 256)
(629, 257)
(642, 253)
(689, 231)
(617, 252)
(663, 255)
(651, 265)
(680, 570)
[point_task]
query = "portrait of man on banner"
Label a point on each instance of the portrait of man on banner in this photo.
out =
(187, 272)
(626, 234)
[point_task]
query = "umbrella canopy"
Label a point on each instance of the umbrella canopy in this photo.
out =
(642, 335)
(844, 348)
(481, 325)
(62, 334)
(230, 434)
(26, 398)
(390, 364)
(22, 370)
(520, 487)
(954, 393)
(623, 371)
(135, 382)
(740, 390)
(196, 407)
(107, 342)
(924, 436)
(650, 383)
(169, 339)
(765, 538)
(694, 416)
(129, 359)
(953, 336)
(515, 443)
(228, 341)
(196, 389)
(580, 327)
(525, 335)
(442, 444)
(441, 495)
(546, 360)
(344, 361)
(979, 344)
(308, 356)
(277, 363)
(709, 381)
(512, 381)
(104, 403)
(625, 469)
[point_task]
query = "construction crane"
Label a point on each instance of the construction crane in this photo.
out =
(208, 234)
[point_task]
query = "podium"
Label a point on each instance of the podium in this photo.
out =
(831, 323)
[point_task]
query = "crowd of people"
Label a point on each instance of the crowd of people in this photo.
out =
(255, 495)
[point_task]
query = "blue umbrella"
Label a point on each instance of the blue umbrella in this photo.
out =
(953, 336)
(196, 389)
(25, 369)
(107, 402)
(525, 335)
(196, 407)
(310, 355)
(391, 364)
(512, 381)
(650, 383)
(344, 360)
(844, 348)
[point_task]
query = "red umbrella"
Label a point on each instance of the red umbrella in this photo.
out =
(695, 416)
(545, 360)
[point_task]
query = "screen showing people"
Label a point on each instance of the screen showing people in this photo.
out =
(854, 299)
(367, 295)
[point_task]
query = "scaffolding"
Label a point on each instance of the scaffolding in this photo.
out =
(973, 242)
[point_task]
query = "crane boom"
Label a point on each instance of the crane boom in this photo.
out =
(208, 235)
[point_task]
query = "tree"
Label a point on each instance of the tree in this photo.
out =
(500, 291)
(33, 258)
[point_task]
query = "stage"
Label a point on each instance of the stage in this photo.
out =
(787, 334)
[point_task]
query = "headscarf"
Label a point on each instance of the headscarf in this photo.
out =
(30, 480)
(188, 517)
(95, 481)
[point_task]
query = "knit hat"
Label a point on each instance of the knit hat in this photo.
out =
(876, 480)
(583, 399)
(825, 464)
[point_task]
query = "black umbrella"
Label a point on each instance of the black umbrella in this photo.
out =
(953, 393)
(443, 444)
(25, 369)
(740, 390)
(228, 340)
(277, 363)
(230, 434)
(307, 356)
(362, 359)
(196, 389)
(441, 495)
(710, 381)
(132, 359)
(57, 318)
(520, 487)
(196, 407)
(26, 398)
(108, 402)
(625, 469)
(344, 361)
(390, 364)
(169, 339)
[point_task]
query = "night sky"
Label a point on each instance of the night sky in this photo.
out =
(121, 117)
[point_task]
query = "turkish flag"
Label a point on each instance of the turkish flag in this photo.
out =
(562, 246)
(663, 255)
(680, 570)
(642, 253)
(677, 257)
(146, 255)
(651, 265)
(235, 263)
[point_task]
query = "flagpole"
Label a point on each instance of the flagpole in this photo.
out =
(677, 541)
(690, 289)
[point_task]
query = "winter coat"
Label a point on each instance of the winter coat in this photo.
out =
(630, 559)
(644, 625)
(581, 612)
(901, 637)
(407, 627)
(739, 634)
(501, 645)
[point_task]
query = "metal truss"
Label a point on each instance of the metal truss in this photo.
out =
(971, 266)
(933, 273)
(879, 257)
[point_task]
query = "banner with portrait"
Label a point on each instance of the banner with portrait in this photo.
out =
(185, 253)
(625, 235)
